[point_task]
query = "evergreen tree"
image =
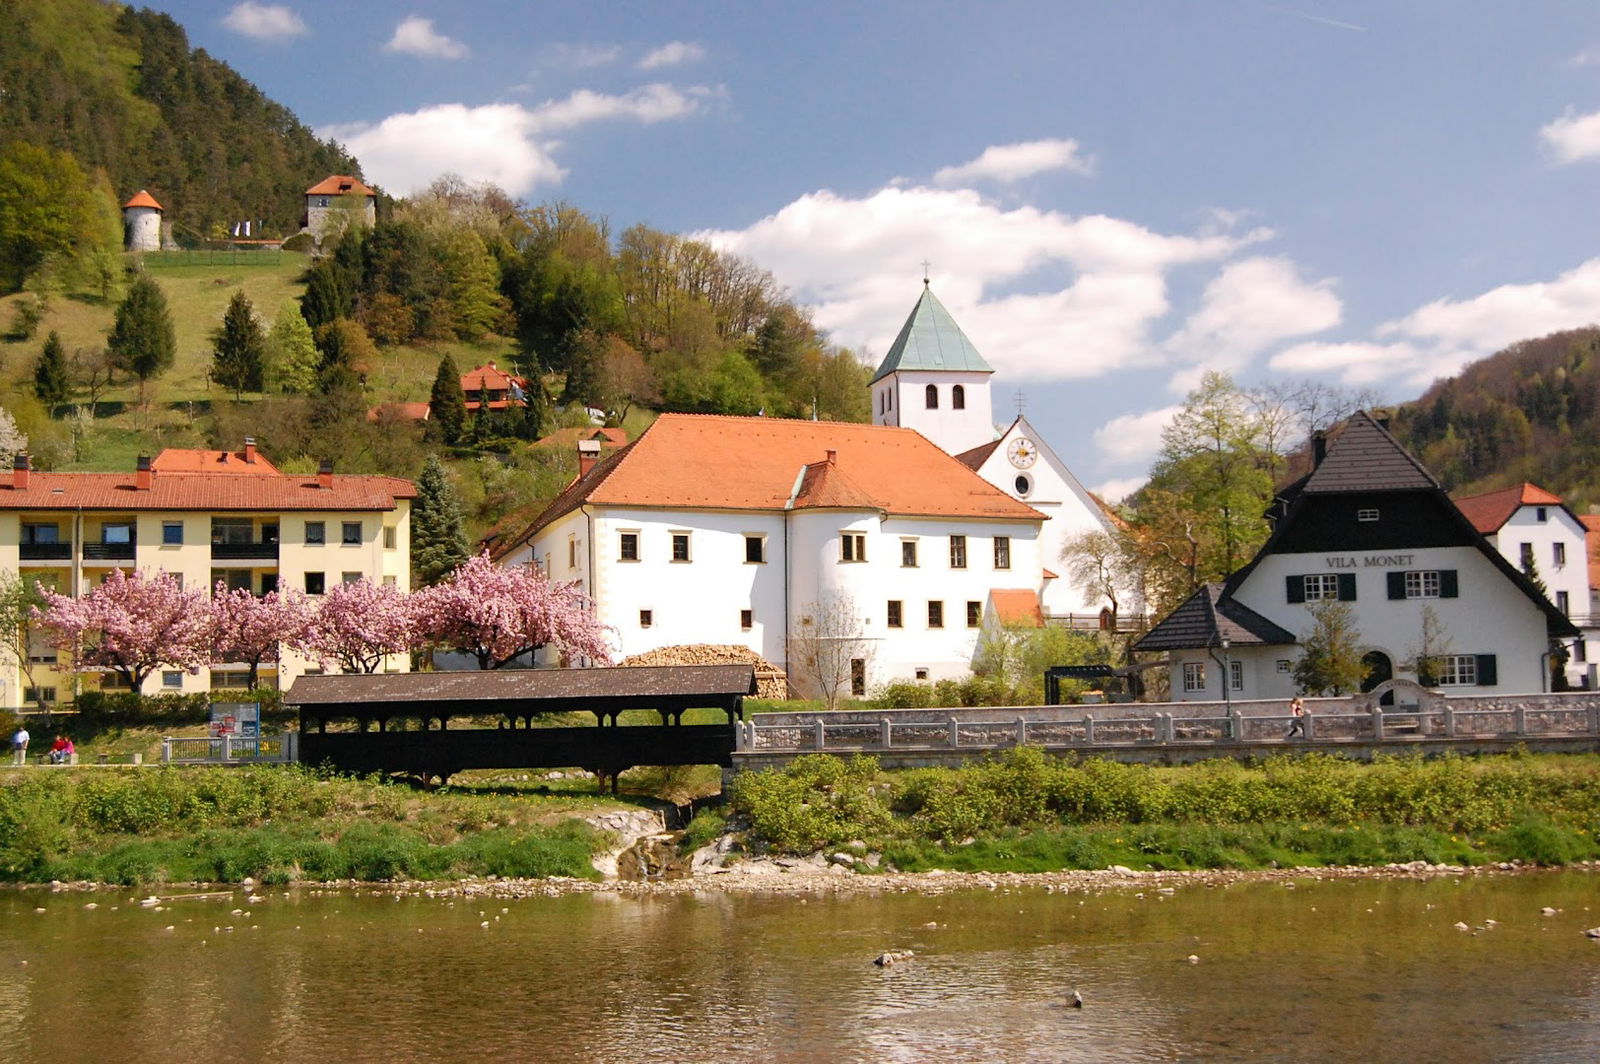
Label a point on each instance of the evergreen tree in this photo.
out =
(482, 427)
(292, 358)
(51, 382)
(142, 339)
(325, 300)
(438, 528)
(448, 404)
(237, 348)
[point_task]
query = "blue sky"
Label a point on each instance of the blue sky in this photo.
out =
(1114, 197)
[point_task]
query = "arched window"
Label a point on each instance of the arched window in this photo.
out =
(958, 398)
(932, 400)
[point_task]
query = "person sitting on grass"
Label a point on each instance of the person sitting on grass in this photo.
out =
(59, 751)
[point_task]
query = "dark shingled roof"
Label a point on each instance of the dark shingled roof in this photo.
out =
(1366, 458)
(642, 682)
(978, 455)
(1205, 618)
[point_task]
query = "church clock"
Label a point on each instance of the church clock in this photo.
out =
(1022, 452)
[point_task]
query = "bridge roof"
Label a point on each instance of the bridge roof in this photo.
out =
(642, 686)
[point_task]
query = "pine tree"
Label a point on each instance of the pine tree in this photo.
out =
(237, 348)
(142, 340)
(438, 529)
(325, 300)
(51, 381)
(448, 404)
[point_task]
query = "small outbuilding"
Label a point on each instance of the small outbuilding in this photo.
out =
(141, 223)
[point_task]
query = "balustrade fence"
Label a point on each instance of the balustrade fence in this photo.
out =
(229, 750)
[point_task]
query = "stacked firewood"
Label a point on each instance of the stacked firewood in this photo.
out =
(770, 680)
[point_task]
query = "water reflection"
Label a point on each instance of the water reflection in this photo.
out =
(1332, 970)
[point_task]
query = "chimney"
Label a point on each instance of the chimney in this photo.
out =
(833, 457)
(249, 448)
(588, 456)
(143, 475)
(20, 468)
(325, 474)
(1319, 447)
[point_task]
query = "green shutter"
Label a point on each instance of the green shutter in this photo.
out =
(1347, 587)
(1297, 588)
(1487, 676)
(1397, 584)
(1449, 587)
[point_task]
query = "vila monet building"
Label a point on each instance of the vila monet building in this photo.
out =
(1371, 527)
(205, 517)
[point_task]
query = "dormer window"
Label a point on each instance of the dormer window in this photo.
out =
(931, 397)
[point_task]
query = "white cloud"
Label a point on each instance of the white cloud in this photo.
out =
(582, 56)
(1013, 162)
(415, 35)
(1252, 305)
(855, 261)
(674, 53)
(506, 143)
(1133, 439)
(1588, 57)
(1573, 137)
(264, 22)
(1118, 488)
(1355, 363)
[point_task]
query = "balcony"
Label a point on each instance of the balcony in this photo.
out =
(109, 552)
(45, 552)
(237, 552)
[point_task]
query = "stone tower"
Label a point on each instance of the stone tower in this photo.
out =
(934, 381)
(141, 223)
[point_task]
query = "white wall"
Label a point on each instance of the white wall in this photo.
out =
(1570, 576)
(901, 399)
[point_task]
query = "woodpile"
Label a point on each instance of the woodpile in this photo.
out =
(770, 680)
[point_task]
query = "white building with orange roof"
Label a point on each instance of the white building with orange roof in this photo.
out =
(141, 223)
(1536, 532)
(765, 532)
(206, 517)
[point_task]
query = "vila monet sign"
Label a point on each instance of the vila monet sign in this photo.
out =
(1372, 561)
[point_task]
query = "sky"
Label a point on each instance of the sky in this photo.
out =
(1111, 197)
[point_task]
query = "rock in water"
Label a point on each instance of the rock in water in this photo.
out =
(1075, 1001)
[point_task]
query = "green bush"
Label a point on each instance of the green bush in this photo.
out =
(903, 694)
(818, 800)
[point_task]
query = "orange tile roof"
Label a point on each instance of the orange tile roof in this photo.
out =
(491, 377)
(402, 411)
(568, 437)
(142, 198)
(825, 486)
(1017, 606)
(233, 463)
(339, 185)
(713, 462)
(201, 491)
(1490, 511)
(1592, 523)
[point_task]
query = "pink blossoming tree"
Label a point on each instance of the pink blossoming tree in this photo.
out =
(500, 613)
(131, 625)
(357, 625)
(254, 630)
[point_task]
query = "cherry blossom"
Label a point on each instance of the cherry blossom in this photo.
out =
(357, 625)
(498, 614)
(132, 625)
(255, 629)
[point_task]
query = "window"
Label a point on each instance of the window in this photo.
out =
(974, 613)
(908, 553)
(118, 533)
(349, 578)
(1236, 675)
(930, 397)
(36, 534)
(1563, 600)
(958, 552)
(1458, 670)
(1024, 485)
(896, 614)
(1558, 552)
(390, 537)
(350, 535)
(232, 579)
(171, 679)
(921, 674)
(958, 398)
(747, 619)
(858, 676)
(572, 552)
(316, 532)
(627, 546)
(1370, 514)
(1580, 650)
(388, 581)
(755, 549)
(1194, 676)
(935, 615)
(852, 546)
(1319, 586)
(1283, 664)
(38, 694)
(1527, 556)
(1002, 552)
(316, 583)
(1424, 584)
(647, 618)
(172, 533)
(680, 546)
(1542, 514)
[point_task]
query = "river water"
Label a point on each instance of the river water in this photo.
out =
(1369, 970)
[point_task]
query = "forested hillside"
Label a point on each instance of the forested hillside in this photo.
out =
(121, 90)
(1529, 412)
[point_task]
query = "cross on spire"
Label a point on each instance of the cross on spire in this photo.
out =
(926, 267)
(1022, 402)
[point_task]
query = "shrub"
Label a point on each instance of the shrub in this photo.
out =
(817, 800)
(903, 694)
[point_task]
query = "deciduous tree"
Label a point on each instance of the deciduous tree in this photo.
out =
(292, 358)
(255, 630)
(19, 602)
(826, 645)
(1330, 650)
(131, 625)
(357, 625)
(499, 614)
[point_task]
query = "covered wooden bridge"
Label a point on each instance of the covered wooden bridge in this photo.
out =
(401, 722)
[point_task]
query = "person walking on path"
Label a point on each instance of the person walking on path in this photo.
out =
(1297, 726)
(19, 746)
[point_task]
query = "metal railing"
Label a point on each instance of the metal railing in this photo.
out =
(229, 749)
(242, 551)
(109, 551)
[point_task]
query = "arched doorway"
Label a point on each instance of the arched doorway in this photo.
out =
(1379, 669)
